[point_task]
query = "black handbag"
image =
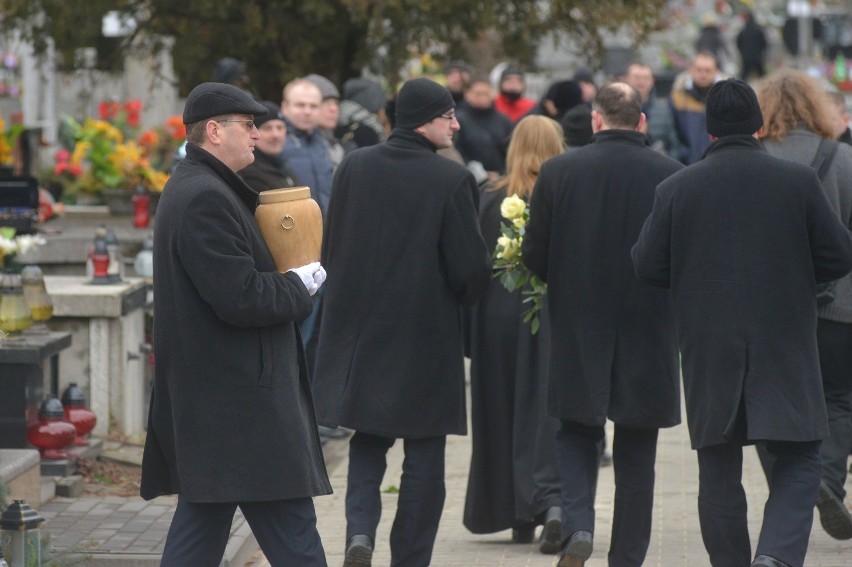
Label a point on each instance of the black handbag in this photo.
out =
(822, 161)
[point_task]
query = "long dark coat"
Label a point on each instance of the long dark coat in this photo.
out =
(513, 475)
(231, 417)
(403, 252)
(614, 352)
(741, 238)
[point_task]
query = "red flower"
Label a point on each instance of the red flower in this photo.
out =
(132, 108)
(62, 156)
(108, 109)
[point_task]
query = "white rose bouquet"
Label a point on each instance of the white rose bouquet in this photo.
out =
(508, 260)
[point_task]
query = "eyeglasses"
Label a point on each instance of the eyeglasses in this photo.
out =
(449, 117)
(249, 124)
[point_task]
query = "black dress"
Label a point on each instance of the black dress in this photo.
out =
(513, 475)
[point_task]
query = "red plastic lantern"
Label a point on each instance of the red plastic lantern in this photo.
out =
(51, 434)
(77, 414)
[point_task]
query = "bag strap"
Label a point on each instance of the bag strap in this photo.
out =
(824, 156)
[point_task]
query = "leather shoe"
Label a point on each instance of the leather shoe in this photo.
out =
(551, 533)
(523, 533)
(577, 549)
(766, 561)
(833, 515)
(359, 551)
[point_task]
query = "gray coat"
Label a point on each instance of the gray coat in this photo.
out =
(614, 351)
(801, 145)
(231, 417)
(742, 238)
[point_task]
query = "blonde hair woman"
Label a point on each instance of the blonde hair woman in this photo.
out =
(797, 116)
(513, 482)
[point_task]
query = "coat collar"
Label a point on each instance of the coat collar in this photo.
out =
(405, 138)
(734, 142)
(631, 137)
(234, 182)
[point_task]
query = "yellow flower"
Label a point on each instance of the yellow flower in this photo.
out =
(519, 222)
(513, 207)
(508, 248)
(81, 150)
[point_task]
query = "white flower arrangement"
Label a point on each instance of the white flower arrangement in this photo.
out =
(11, 245)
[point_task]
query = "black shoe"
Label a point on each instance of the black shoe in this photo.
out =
(576, 550)
(523, 533)
(551, 533)
(833, 515)
(359, 551)
(766, 561)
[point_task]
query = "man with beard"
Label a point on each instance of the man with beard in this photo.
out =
(687, 102)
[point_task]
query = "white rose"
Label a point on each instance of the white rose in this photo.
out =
(512, 207)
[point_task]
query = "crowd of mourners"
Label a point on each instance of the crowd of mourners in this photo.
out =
(698, 237)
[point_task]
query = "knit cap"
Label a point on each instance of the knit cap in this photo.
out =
(421, 100)
(732, 108)
(365, 92)
(273, 113)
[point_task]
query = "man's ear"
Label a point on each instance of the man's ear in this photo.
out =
(212, 130)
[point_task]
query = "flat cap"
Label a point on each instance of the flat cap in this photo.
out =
(215, 99)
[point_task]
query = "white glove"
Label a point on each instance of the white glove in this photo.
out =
(307, 274)
(319, 276)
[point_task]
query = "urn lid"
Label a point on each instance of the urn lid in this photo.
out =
(283, 195)
(51, 407)
(73, 396)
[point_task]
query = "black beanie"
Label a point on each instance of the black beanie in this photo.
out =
(577, 125)
(421, 100)
(732, 108)
(273, 113)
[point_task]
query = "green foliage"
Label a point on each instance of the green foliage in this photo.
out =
(282, 39)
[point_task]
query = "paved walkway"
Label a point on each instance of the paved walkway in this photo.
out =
(127, 532)
(675, 540)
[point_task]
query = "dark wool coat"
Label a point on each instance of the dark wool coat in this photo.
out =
(483, 137)
(231, 416)
(614, 351)
(741, 238)
(267, 172)
(403, 251)
(513, 475)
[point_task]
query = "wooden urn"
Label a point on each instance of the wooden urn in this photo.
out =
(291, 224)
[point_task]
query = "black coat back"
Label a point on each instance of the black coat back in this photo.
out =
(614, 352)
(403, 252)
(741, 238)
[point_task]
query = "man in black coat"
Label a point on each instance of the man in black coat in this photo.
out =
(232, 421)
(742, 238)
(268, 171)
(614, 352)
(403, 245)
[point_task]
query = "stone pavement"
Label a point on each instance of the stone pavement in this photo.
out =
(127, 532)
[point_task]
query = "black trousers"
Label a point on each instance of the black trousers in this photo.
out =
(789, 510)
(634, 452)
(286, 531)
(835, 359)
(421, 495)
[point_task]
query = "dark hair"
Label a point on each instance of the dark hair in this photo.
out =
(620, 105)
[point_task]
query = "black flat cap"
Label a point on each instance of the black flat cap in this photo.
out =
(215, 99)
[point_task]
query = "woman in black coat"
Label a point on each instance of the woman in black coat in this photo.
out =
(513, 480)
